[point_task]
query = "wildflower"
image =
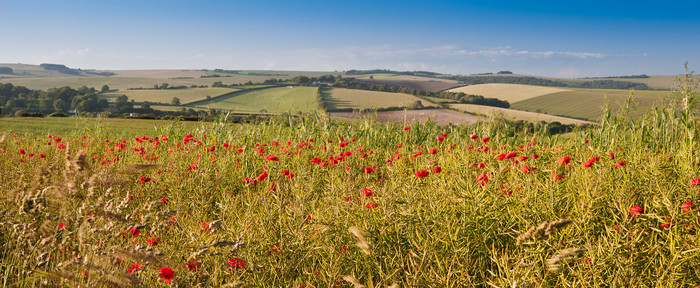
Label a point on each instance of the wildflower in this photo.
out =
(134, 232)
(134, 268)
(235, 263)
(193, 265)
(369, 170)
(262, 176)
(482, 179)
(145, 179)
(422, 173)
(63, 224)
(205, 226)
(153, 241)
(368, 193)
(21, 151)
(612, 155)
(621, 164)
(417, 154)
(666, 223)
(590, 162)
(406, 128)
(437, 169)
(635, 210)
(166, 273)
(315, 161)
(695, 182)
(485, 139)
(164, 201)
(687, 206)
(564, 160)
(440, 139)
(371, 205)
(432, 151)
(272, 158)
(474, 136)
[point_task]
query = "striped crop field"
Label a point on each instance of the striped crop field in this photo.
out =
(340, 98)
(272, 100)
(512, 114)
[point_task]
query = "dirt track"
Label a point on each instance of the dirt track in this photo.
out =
(440, 116)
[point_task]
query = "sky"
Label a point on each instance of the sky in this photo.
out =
(558, 38)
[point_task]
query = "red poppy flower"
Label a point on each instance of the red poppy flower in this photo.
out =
(236, 263)
(485, 139)
(666, 223)
(621, 164)
(262, 176)
(432, 151)
(369, 170)
(368, 193)
(153, 241)
(482, 179)
(166, 273)
(687, 206)
(315, 161)
(272, 158)
(406, 128)
(145, 179)
(564, 160)
(501, 157)
(440, 139)
(63, 225)
(21, 151)
(474, 136)
(417, 154)
(695, 182)
(422, 173)
(371, 205)
(612, 155)
(635, 210)
(193, 265)
(437, 169)
(134, 232)
(134, 268)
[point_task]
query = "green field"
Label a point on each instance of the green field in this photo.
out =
(165, 95)
(272, 100)
(86, 126)
(580, 104)
(340, 98)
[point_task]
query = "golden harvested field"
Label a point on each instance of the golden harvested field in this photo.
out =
(509, 92)
(515, 115)
(340, 98)
(165, 95)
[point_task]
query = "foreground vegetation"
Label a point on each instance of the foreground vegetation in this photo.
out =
(308, 202)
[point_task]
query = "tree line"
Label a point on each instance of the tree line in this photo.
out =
(529, 80)
(14, 99)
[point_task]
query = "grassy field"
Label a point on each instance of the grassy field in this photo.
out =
(85, 126)
(510, 92)
(515, 115)
(316, 203)
(399, 77)
(272, 100)
(166, 95)
(581, 104)
(340, 98)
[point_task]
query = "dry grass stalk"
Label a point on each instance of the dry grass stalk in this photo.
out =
(356, 283)
(543, 231)
(362, 239)
(555, 263)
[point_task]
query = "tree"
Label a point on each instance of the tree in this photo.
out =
(104, 89)
(217, 84)
(175, 101)
(146, 105)
(45, 106)
(59, 105)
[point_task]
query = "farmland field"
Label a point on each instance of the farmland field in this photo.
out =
(165, 95)
(510, 92)
(581, 104)
(340, 98)
(515, 115)
(272, 100)
(440, 117)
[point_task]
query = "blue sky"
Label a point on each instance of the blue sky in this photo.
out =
(559, 38)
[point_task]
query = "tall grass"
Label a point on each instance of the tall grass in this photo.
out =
(71, 218)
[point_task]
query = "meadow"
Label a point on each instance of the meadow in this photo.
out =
(271, 100)
(166, 95)
(311, 202)
(340, 98)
